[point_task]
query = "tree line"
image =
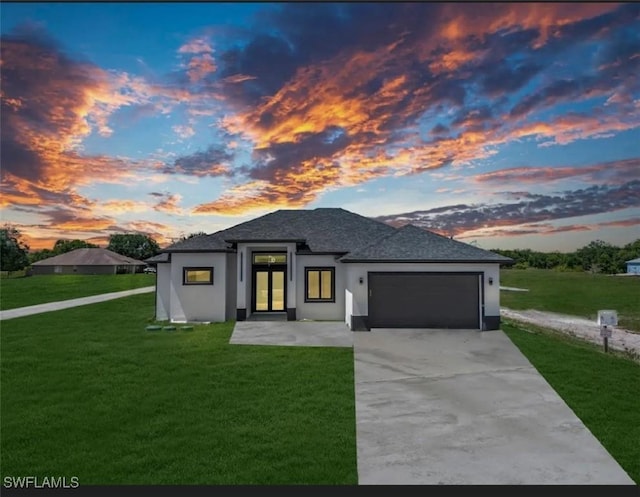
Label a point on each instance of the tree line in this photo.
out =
(15, 254)
(596, 257)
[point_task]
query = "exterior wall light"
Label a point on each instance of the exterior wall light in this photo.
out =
(490, 280)
(361, 280)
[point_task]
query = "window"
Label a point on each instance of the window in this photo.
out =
(197, 276)
(269, 258)
(319, 284)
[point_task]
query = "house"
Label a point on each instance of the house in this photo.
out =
(88, 261)
(633, 266)
(329, 264)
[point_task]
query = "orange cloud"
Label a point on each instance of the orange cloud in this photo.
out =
(624, 223)
(122, 206)
(200, 66)
(623, 170)
(201, 62)
(366, 96)
(196, 45)
(169, 203)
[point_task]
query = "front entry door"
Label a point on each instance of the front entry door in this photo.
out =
(269, 289)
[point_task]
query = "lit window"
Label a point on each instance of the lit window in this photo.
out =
(269, 258)
(197, 276)
(320, 284)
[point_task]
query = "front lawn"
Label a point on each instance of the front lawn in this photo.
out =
(88, 392)
(602, 389)
(31, 290)
(579, 294)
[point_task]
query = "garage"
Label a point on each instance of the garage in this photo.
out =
(424, 300)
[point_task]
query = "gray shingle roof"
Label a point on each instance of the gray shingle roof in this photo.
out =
(411, 243)
(634, 261)
(89, 257)
(338, 231)
(161, 257)
(332, 230)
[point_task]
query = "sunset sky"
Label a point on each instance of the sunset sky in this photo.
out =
(505, 125)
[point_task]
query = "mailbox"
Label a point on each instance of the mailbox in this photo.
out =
(607, 318)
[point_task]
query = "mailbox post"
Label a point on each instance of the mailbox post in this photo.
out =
(607, 319)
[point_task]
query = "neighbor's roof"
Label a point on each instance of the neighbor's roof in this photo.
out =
(161, 257)
(634, 261)
(411, 243)
(331, 230)
(338, 231)
(89, 257)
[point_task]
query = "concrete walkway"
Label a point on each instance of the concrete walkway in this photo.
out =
(65, 304)
(294, 333)
(465, 407)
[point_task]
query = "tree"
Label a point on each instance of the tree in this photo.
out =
(135, 245)
(13, 251)
(193, 235)
(60, 247)
(64, 246)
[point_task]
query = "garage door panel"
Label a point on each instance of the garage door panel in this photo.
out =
(424, 300)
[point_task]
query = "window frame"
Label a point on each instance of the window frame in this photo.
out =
(185, 269)
(320, 269)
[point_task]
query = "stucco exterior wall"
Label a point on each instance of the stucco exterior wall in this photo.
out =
(360, 291)
(320, 310)
(46, 269)
(231, 292)
(198, 302)
(163, 287)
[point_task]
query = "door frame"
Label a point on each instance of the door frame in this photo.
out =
(270, 269)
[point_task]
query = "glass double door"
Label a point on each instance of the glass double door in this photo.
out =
(269, 289)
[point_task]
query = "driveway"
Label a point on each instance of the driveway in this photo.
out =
(465, 407)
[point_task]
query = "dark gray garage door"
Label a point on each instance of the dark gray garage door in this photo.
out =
(424, 300)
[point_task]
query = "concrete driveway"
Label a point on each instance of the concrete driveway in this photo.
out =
(465, 407)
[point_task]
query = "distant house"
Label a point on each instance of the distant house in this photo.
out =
(88, 261)
(633, 266)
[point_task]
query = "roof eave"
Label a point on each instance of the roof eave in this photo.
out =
(265, 240)
(429, 261)
(190, 251)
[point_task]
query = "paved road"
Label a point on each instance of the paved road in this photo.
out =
(465, 407)
(65, 304)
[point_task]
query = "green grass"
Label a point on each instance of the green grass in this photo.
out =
(88, 392)
(602, 389)
(31, 290)
(579, 294)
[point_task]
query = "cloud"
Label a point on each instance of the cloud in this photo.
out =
(531, 208)
(167, 202)
(122, 206)
(196, 45)
(198, 58)
(50, 104)
(183, 131)
(376, 82)
(215, 161)
(157, 231)
(605, 172)
(623, 223)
